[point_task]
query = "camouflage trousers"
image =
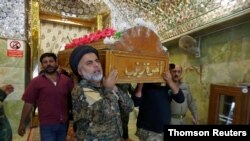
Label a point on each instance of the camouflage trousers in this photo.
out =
(5, 129)
(145, 135)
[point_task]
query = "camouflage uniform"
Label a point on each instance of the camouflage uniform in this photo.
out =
(127, 88)
(5, 128)
(146, 135)
(96, 112)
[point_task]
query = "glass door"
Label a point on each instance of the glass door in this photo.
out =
(226, 110)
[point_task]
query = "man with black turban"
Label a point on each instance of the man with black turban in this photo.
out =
(96, 99)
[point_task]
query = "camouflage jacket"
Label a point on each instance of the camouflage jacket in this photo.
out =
(5, 128)
(96, 112)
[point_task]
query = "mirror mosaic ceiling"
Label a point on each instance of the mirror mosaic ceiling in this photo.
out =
(170, 17)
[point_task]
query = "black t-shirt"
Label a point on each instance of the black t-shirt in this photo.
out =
(155, 111)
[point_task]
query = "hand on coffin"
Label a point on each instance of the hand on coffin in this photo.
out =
(110, 81)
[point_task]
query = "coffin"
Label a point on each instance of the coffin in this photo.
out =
(137, 56)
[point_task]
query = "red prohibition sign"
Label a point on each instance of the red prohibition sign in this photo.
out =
(15, 44)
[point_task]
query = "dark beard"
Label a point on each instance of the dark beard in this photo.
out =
(50, 70)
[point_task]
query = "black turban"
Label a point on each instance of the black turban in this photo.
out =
(76, 56)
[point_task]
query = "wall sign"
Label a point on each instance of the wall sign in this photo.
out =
(15, 48)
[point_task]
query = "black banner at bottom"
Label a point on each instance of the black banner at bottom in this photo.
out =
(171, 131)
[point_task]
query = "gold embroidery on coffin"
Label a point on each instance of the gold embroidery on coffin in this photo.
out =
(91, 95)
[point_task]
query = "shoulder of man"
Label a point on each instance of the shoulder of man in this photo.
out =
(184, 86)
(76, 90)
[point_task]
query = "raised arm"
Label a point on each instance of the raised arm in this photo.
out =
(178, 95)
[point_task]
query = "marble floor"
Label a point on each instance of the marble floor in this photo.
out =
(16, 137)
(132, 129)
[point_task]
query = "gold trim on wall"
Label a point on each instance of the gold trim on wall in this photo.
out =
(92, 23)
(99, 22)
(35, 34)
(36, 16)
(67, 20)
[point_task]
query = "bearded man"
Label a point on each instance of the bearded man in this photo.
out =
(96, 100)
(50, 92)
